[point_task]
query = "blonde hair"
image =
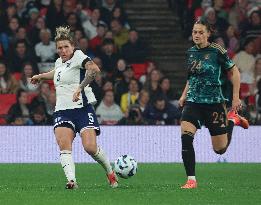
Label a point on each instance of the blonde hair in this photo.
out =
(63, 33)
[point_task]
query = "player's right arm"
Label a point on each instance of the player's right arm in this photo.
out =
(182, 99)
(43, 76)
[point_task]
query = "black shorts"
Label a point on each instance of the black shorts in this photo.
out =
(213, 116)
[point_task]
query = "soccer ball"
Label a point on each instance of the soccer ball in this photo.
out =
(125, 166)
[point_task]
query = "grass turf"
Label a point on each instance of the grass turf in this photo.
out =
(223, 183)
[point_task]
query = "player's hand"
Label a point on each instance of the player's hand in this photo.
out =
(236, 104)
(182, 101)
(35, 79)
(76, 95)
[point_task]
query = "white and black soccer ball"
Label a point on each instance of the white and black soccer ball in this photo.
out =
(125, 166)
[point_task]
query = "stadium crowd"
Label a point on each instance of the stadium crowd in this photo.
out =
(130, 89)
(236, 26)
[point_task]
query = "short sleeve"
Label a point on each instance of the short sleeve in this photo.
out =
(81, 58)
(225, 62)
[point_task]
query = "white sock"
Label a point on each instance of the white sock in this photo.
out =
(68, 164)
(102, 159)
(192, 178)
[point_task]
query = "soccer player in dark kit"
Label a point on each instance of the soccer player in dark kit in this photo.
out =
(203, 100)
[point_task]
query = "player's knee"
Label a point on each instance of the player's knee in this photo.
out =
(91, 149)
(220, 151)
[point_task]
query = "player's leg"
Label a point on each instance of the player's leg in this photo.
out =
(220, 143)
(190, 121)
(64, 137)
(188, 131)
(89, 143)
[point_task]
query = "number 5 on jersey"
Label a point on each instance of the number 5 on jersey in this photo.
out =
(58, 76)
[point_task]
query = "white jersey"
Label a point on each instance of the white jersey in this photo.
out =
(67, 77)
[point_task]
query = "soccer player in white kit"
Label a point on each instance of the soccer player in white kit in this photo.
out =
(73, 111)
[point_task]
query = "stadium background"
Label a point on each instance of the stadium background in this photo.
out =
(164, 31)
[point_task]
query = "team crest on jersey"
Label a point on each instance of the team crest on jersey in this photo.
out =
(206, 57)
(68, 64)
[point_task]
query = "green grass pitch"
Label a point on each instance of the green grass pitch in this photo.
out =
(154, 184)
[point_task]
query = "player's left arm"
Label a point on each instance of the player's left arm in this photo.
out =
(233, 71)
(91, 71)
(235, 80)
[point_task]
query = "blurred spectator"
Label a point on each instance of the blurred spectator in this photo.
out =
(161, 112)
(19, 120)
(34, 35)
(120, 68)
(231, 41)
(20, 55)
(21, 9)
(5, 17)
(96, 42)
(55, 15)
(96, 86)
(108, 112)
(107, 85)
(133, 117)
(152, 82)
(253, 27)
(121, 86)
(166, 91)
(219, 25)
(106, 10)
(258, 69)
(73, 21)
(27, 73)
(199, 12)
(129, 98)
(84, 46)
(78, 34)
(109, 57)
(108, 35)
(20, 109)
(83, 10)
(151, 66)
(4, 42)
(42, 98)
(119, 13)
(134, 51)
(12, 29)
(120, 34)
(68, 7)
(39, 117)
(90, 26)
(22, 35)
(50, 103)
(8, 84)
(143, 100)
(245, 61)
(218, 6)
(46, 49)
(33, 16)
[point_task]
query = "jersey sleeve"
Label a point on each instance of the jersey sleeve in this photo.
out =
(225, 61)
(81, 58)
